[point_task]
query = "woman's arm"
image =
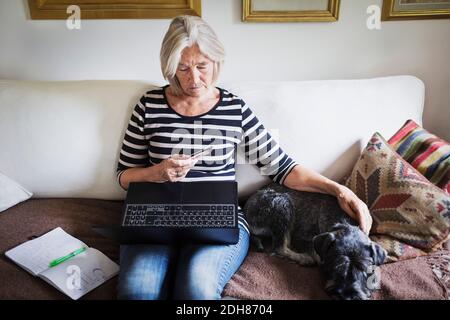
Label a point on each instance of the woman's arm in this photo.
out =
(166, 170)
(133, 164)
(262, 149)
(304, 179)
(133, 156)
(149, 174)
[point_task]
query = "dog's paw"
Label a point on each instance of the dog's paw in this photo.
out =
(302, 259)
(257, 243)
(308, 261)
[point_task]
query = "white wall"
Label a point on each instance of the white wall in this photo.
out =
(129, 49)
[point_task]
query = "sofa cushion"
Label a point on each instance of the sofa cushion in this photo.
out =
(11, 193)
(90, 118)
(403, 203)
(426, 152)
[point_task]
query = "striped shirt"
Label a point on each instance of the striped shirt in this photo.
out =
(156, 131)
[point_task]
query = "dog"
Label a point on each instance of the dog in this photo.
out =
(312, 229)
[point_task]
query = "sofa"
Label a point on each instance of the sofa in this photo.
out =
(60, 140)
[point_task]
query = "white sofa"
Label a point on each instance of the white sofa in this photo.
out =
(62, 139)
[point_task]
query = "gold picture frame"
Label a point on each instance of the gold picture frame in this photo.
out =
(114, 9)
(415, 9)
(330, 14)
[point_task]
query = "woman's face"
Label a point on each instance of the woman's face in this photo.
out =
(194, 72)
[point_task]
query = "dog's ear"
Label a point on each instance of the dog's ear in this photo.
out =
(339, 226)
(322, 241)
(378, 254)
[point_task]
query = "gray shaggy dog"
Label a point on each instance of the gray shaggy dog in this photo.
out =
(311, 228)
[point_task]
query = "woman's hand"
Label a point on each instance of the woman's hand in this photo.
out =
(176, 167)
(354, 207)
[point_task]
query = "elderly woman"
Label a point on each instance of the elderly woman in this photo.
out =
(187, 114)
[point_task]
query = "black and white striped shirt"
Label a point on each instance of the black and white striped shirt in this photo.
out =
(156, 131)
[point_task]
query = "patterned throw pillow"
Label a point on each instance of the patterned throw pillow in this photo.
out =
(397, 250)
(429, 154)
(404, 205)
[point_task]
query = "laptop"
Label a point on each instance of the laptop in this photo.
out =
(177, 212)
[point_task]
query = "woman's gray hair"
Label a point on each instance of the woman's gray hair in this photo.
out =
(185, 31)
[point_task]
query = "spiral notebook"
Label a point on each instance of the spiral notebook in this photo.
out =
(76, 276)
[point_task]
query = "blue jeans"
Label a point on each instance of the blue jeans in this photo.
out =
(189, 272)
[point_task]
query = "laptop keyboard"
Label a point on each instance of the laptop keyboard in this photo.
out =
(187, 215)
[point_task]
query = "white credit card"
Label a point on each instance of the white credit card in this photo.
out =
(202, 152)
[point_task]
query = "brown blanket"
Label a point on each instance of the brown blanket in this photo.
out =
(260, 276)
(38, 216)
(266, 277)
